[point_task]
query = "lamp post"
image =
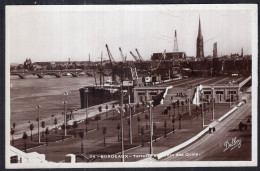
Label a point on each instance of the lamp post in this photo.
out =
(189, 90)
(233, 92)
(65, 113)
(213, 103)
(151, 126)
(122, 126)
(202, 110)
(130, 120)
(229, 95)
(86, 91)
(130, 115)
(39, 138)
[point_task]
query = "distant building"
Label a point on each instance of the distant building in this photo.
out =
(215, 50)
(200, 49)
(234, 56)
(242, 53)
(169, 56)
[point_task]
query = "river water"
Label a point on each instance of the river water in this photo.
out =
(26, 94)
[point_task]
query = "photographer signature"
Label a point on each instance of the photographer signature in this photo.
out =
(233, 144)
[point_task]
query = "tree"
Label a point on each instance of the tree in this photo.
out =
(106, 110)
(165, 126)
(173, 107)
(12, 133)
(63, 128)
(180, 117)
(138, 119)
(169, 109)
(104, 133)
(142, 133)
(186, 101)
(128, 122)
(118, 128)
(143, 103)
(55, 123)
(25, 136)
(173, 121)
(86, 123)
(75, 125)
(113, 107)
(182, 104)
(47, 132)
(81, 135)
(14, 124)
(146, 118)
(97, 118)
(43, 126)
(31, 128)
(154, 130)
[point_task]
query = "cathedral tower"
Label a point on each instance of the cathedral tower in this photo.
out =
(200, 50)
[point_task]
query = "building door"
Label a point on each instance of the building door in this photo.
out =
(141, 98)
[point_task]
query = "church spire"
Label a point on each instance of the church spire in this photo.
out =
(200, 49)
(199, 31)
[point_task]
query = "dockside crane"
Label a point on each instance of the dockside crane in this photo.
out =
(134, 56)
(112, 61)
(141, 58)
(122, 55)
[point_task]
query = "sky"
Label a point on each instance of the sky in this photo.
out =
(56, 33)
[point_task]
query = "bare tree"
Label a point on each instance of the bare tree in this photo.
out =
(104, 133)
(12, 133)
(75, 126)
(146, 118)
(118, 128)
(55, 123)
(43, 126)
(31, 128)
(106, 109)
(97, 118)
(81, 135)
(142, 133)
(47, 132)
(25, 136)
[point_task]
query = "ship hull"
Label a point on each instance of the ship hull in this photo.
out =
(96, 95)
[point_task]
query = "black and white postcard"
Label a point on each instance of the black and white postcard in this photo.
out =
(92, 86)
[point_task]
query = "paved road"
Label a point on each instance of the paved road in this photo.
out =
(211, 147)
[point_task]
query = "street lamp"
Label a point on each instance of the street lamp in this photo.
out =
(65, 113)
(229, 95)
(233, 92)
(213, 103)
(86, 91)
(189, 90)
(202, 110)
(39, 138)
(150, 104)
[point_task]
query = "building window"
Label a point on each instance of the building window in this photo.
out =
(219, 92)
(14, 159)
(141, 94)
(232, 92)
(153, 93)
(207, 92)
